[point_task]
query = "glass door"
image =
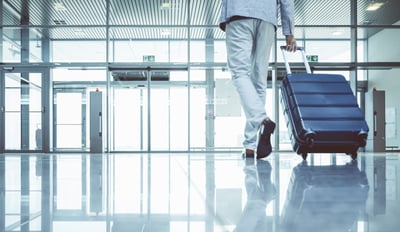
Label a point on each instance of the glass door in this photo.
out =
(129, 111)
(70, 119)
(21, 111)
(149, 115)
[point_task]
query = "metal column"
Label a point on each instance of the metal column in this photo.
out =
(96, 122)
(2, 87)
(25, 85)
(96, 183)
(2, 112)
(25, 194)
(47, 100)
(376, 117)
(47, 193)
(2, 193)
(96, 146)
(353, 47)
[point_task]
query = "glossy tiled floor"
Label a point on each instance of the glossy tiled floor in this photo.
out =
(199, 192)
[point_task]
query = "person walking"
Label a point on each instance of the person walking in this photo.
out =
(250, 28)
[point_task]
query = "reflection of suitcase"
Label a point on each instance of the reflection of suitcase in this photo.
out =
(322, 113)
(324, 198)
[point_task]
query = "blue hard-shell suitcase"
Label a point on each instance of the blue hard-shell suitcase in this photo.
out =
(327, 198)
(321, 113)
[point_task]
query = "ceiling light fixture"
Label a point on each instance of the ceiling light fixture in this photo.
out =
(79, 32)
(59, 6)
(166, 32)
(337, 33)
(374, 5)
(165, 6)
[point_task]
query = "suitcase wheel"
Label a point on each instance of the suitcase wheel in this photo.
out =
(353, 155)
(363, 142)
(309, 139)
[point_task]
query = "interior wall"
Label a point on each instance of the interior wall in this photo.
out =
(384, 47)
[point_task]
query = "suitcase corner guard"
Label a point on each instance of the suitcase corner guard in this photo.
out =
(362, 138)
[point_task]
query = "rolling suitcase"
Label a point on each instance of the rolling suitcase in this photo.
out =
(321, 112)
(324, 198)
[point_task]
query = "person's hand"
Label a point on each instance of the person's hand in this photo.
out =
(291, 45)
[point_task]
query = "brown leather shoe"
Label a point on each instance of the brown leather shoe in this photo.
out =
(248, 154)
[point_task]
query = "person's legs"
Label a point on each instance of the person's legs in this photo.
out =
(264, 39)
(248, 46)
(261, 53)
(240, 35)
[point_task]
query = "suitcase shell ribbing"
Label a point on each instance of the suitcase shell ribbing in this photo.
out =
(322, 114)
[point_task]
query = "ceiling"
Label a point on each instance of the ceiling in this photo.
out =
(179, 19)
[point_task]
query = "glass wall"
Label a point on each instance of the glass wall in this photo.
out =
(23, 111)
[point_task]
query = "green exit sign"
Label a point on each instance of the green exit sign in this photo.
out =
(312, 58)
(149, 58)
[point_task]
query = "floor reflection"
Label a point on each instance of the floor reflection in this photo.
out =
(260, 191)
(199, 192)
(325, 198)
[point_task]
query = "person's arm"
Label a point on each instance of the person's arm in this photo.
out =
(223, 16)
(287, 19)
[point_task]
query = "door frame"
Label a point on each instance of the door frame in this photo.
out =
(45, 107)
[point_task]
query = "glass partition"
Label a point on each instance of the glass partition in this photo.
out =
(23, 111)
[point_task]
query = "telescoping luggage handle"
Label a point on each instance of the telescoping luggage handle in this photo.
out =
(303, 54)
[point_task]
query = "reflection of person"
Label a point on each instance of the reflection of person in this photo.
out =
(38, 137)
(260, 191)
(250, 31)
(39, 142)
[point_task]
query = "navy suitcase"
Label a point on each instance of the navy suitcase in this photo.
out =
(324, 198)
(322, 113)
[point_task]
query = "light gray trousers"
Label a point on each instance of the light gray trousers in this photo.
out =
(248, 43)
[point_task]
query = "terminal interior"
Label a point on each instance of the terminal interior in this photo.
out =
(120, 115)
